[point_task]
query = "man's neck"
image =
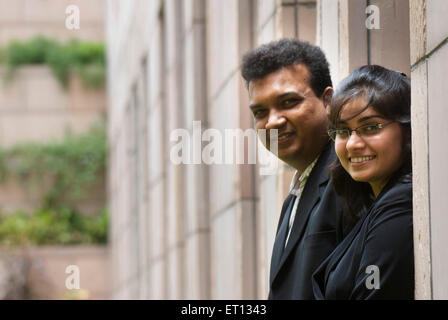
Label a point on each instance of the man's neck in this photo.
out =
(301, 165)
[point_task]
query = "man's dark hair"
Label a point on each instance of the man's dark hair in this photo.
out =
(276, 55)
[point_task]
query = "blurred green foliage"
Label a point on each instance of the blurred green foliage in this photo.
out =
(87, 59)
(62, 170)
(46, 227)
(67, 167)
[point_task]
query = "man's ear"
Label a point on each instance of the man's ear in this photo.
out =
(326, 97)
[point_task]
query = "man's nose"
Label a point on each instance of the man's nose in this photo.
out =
(275, 120)
(354, 141)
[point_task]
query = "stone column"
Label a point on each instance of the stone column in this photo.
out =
(429, 51)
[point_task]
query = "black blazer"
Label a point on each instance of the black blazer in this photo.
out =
(318, 227)
(383, 237)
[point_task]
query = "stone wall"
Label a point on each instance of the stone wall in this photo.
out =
(206, 231)
(23, 19)
(34, 107)
(429, 52)
(41, 272)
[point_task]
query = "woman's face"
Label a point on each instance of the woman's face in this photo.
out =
(373, 156)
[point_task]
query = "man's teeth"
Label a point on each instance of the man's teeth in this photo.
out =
(361, 159)
(283, 136)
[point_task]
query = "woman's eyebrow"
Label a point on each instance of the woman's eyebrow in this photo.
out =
(341, 121)
(370, 117)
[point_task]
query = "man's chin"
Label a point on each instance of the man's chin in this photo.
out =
(286, 157)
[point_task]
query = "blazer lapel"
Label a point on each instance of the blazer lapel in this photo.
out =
(309, 198)
(320, 276)
(280, 238)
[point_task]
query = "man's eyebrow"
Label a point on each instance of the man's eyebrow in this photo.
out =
(279, 97)
(289, 93)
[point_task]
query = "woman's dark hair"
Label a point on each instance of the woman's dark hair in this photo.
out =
(389, 93)
(276, 55)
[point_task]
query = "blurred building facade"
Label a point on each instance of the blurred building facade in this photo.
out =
(33, 105)
(35, 102)
(206, 231)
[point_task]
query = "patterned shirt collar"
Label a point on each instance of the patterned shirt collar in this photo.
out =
(298, 181)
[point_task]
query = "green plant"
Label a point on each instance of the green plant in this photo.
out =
(45, 227)
(61, 169)
(86, 59)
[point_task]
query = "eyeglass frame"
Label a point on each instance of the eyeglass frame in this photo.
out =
(378, 125)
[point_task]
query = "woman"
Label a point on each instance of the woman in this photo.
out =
(370, 124)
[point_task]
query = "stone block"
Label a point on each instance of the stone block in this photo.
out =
(268, 33)
(437, 28)
(157, 272)
(420, 176)
(226, 276)
(176, 278)
(225, 177)
(417, 18)
(54, 11)
(197, 266)
(438, 174)
(223, 60)
(329, 26)
(11, 11)
(156, 147)
(389, 45)
(156, 226)
(265, 11)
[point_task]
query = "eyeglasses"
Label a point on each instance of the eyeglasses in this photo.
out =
(365, 131)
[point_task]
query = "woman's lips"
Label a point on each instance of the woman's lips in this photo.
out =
(359, 161)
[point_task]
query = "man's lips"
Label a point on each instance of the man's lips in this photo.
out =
(285, 137)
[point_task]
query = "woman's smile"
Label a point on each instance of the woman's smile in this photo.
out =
(360, 161)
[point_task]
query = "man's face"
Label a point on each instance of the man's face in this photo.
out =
(284, 100)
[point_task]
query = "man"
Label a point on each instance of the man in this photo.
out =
(290, 88)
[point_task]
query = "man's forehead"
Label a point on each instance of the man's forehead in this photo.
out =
(294, 77)
(296, 72)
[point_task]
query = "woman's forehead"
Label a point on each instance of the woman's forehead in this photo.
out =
(355, 109)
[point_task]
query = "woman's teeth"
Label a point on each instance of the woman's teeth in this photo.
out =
(361, 159)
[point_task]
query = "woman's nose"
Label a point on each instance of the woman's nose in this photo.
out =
(355, 141)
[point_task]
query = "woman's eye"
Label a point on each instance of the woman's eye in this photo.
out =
(371, 128)
(342, 132)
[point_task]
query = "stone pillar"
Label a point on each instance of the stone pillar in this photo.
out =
(429, 52)
(197, 223)
(175, 214)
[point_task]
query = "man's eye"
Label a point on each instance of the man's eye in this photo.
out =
(290, 102)
(259, 113)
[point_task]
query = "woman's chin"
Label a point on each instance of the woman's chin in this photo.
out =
(359, 177)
